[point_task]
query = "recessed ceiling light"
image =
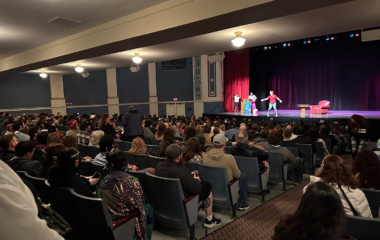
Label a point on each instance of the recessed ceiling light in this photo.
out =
(79, 69)
(137, 58)
(43, 74)
(238, 41)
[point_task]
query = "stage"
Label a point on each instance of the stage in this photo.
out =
(289, 116)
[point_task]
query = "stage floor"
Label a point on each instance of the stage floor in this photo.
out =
(297, 114)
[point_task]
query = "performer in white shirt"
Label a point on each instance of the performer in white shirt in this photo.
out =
(253, 99)
(236, 99)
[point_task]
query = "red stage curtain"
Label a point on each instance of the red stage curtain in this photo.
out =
(236, 76)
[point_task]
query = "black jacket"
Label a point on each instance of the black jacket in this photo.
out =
(108, 129)
(190, 186)
(245, 150)
(305, 140)
(132, 123)
(7, 155)
(331, 137)
(22, 164)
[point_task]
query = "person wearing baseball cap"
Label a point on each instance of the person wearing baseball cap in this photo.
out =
(190, 181)
(73, 128)
(218, 157)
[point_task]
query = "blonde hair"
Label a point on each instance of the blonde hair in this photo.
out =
(95, 137)
(138, 146)
(174, 128)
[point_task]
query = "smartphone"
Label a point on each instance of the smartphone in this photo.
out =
(96, 175)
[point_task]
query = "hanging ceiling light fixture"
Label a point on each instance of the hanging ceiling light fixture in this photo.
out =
(43, 74)
(238, 41)
(137, 58)
(79, 69)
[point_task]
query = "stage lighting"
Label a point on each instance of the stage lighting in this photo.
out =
(289, 45)
(351, 35)
(269, 47)
(357, 35)
(284, 44)
(332, 38)
(327, 39)
(309, 41)
(304, 42)
(265, 48)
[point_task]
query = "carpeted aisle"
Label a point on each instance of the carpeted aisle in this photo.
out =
(260, 222)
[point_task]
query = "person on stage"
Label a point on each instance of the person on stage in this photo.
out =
(236, 99)
(272, 102)
(253, 99)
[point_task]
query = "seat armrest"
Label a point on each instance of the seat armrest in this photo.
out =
(135, 213)
(233, 181)
(283, 164)
(263, 171)
(187, 199)
(191, 204)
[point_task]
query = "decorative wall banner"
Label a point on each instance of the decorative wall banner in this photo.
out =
(197, 77)
(212, 79)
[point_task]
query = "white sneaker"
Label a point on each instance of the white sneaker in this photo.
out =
(268, 114)
(276, 114)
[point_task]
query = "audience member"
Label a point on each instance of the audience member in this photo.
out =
(49, 157)
(132, 125)
(53, 138)
(106, 126)
(17, 127)
(190, 182)
(23, 160)
(208, 134)
(293, 136)
(286, 142)
(202, 142)
(315, 136)
(189, 134)
(147, 133)
(325, 134)
(193, 151)
(73, 131)
(215, 131)
(251, 137)
(42, 138)
(95, 138)
(366, 169)
(8, 145)
(232, 130)
(64, 173)
(160, 133)
(139, 147)
(122, 192)
(18, 210)
(320, 215)
(301, 139)
(84, 136)
(217, 157)
(335, 172)
(294, 163)
(263, 136)
(106, 144)
(33, 132)
(153, 127)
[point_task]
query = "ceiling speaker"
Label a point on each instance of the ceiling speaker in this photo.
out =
(216, 57)
(85, 74)
(135, 68)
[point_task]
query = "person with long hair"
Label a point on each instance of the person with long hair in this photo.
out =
(335, 172)
(366, 168)
(139, 147)
(193, 151)
(122, 192)
(53, 138)
(190, 132)
(174, 129)
(160, 133)
(320, 215)
(105, 124)
(49, 157)
(165, 143)
(65, 173)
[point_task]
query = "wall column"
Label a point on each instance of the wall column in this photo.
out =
(153, 99)
(197, 85)
(58, 101)
(113, 99)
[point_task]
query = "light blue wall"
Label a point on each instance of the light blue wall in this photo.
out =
(189, 105)
(24, 91)
(143, 108)
(213, 107)
(86, 91)
(175, 83)
(132, 87)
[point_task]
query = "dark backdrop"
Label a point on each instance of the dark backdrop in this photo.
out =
(346, 72)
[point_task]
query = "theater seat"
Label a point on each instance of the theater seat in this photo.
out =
(321, 108)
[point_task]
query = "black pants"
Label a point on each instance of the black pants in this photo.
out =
(206, 191)
(236, 105)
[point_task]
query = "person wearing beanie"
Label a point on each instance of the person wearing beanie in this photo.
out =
(190, 181)
(73, 128)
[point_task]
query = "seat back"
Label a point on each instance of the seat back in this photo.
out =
(147, 141)
(363, 228)
(373, 197)
(277, 172)
(319, 153)
(156, 142)
(139, 159)
(90, 151)
(123, 146)
(179, 139)
(38, 154)
(40, 186)
(100, 169)
(217, 177)
(294, 151)
(87, 168)
(153, 161)
(250, 167)
(81, 149)
(328, 145)
(63, 128)
(167, 200)
(228, 149)
(308, 156)
(154, 147)
(143, 182)
(191, 166)
(94, 217)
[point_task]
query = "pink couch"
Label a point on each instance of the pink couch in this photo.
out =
(321, 108)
